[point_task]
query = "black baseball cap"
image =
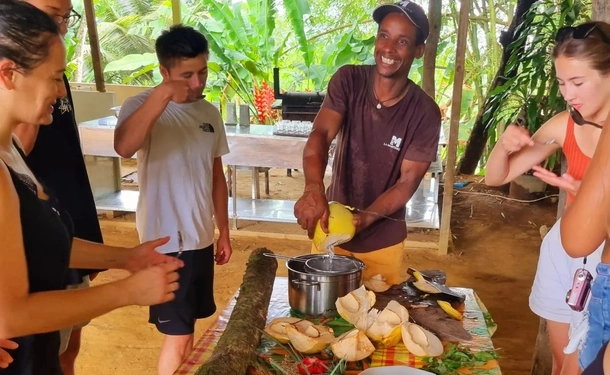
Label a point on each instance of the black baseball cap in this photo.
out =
(413, 11)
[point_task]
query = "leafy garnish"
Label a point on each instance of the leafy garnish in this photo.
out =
(458, 357)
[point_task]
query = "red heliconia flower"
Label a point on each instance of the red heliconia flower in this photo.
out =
(263, 100)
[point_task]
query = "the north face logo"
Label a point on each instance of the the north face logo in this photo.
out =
(394, 143)
(208, 128)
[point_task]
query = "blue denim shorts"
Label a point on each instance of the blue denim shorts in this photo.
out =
(598, 316)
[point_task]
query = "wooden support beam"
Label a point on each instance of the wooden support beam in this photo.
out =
(460, 56)
(94, 43)
(176, 13)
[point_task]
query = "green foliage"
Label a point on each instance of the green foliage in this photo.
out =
(459, 357)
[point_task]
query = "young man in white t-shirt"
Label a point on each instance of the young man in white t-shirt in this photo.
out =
(180, 138)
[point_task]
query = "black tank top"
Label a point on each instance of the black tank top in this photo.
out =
(47, 239)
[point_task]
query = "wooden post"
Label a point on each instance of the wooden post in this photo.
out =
(460, 57)
(435, 18)
(176, 13)
(601, 10)
(94, 43)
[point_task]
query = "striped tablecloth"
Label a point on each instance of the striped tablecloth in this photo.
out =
(474, 322)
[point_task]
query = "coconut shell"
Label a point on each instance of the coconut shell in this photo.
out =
(309, 338)
(352, 346)
(277, 328)
(420, 341)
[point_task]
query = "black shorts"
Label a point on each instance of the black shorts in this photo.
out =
(194, 298)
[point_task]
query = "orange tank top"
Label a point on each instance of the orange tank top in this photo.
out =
(578, 162)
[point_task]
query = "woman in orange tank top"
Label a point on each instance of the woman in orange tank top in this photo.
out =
(581, 58)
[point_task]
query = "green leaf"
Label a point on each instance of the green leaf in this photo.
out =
(296, 10)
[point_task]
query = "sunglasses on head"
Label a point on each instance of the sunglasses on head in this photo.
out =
(580, 32)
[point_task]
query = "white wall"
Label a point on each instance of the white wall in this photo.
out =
(90, 104)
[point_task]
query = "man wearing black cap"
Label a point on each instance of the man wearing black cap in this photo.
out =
(388, 130)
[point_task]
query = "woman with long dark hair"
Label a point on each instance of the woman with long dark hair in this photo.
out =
(36, 237)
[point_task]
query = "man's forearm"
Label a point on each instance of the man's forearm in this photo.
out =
(130, 135)
(315, 159)
(93, 255)
(392, 199)
(220, 198)
(398, 195)
(27, 134)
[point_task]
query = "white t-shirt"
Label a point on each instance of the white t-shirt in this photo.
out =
(175, 167)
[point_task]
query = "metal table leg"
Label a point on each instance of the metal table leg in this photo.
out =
(233, 169)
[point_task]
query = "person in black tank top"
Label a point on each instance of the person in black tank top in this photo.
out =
(45, 226)
(55, 157)
(38, 245)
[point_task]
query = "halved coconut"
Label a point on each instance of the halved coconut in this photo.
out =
(277, 328)
(377, 284)
(386, 328)
(352, 346)
(420, 341)
(365, 321)
(356, 303)
(309, 338)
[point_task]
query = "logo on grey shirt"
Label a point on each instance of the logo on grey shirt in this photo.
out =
(208, 128)
(394, 143)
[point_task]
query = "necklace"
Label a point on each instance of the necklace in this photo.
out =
(380, 102)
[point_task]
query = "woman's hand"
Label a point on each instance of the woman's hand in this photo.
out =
(5, 358)
(565, 181)
(515, 138)
(154, 285)
(145, 255)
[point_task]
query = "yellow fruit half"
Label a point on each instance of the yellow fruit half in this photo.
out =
(341, 228)
(309, 338)
(446, 306)
(377, 284)
(421, 342)
(356, 303)
(352, 346)
(423, 285)
(277, 328)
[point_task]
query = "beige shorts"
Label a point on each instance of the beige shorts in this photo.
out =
(64, 334)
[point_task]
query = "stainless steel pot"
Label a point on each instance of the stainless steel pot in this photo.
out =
(316, 294)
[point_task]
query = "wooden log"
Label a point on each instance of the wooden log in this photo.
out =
(236, 349)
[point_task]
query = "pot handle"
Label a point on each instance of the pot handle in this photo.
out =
(306, 283)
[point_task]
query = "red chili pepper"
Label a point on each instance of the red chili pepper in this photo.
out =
(313, 365)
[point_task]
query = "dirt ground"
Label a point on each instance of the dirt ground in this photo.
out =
(496, 250)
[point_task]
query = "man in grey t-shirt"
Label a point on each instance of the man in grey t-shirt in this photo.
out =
(387, 131)
(180, 140)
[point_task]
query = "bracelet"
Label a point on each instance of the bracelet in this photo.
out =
(315, 191)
